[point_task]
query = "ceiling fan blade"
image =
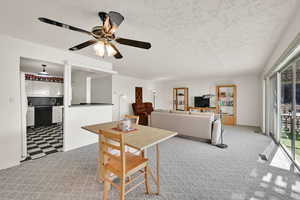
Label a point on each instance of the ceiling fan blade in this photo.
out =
(83, 45)
(118, 55)
(134, 43)
(102, 16)
(115, 18)
(56, 23)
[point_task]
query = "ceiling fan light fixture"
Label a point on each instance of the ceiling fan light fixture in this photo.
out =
(110, 50)
(99, 48)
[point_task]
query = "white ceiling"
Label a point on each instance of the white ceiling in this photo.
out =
(35, 66)
(190, 38)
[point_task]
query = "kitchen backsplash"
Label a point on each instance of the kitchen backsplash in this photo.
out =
(45, 101)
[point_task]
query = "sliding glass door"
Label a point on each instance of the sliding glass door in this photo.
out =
(286, 108)
(296, 135)
(273, 107)
(290, 110)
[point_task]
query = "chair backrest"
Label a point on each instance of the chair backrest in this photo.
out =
(133, 117)
(142, 107)
(138, 108)
(106, 145)
(149, 107)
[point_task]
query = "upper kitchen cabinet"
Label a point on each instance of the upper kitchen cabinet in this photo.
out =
(43, 89)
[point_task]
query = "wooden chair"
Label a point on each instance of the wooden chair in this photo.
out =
(122, 166)
(137, 118)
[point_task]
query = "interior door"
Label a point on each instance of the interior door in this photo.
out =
(138, 95)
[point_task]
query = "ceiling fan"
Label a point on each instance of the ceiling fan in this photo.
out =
(103, 36)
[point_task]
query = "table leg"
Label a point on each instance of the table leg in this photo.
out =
(157, 177)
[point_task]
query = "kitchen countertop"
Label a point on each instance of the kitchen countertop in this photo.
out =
(91, 104)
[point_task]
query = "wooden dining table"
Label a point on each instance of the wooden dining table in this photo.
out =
(142, 138)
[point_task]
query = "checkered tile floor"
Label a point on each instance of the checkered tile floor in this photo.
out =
(44, 140)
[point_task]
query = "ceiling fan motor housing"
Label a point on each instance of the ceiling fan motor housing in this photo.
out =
(97, 31)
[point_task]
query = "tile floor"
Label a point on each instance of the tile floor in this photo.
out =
(44, 140)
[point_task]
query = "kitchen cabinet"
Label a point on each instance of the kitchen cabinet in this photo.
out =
(57, 114)
(30, 116)
(43, 89)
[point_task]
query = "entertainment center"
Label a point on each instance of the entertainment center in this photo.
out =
(224, 102)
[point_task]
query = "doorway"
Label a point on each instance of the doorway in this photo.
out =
(42, 100)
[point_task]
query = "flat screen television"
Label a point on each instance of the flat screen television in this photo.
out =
(201, 101)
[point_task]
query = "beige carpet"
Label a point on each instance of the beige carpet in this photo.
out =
(190, 170)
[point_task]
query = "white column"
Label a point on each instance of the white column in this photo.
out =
(67, 98)
(88, 89)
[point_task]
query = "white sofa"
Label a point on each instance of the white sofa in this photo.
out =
(198, 125)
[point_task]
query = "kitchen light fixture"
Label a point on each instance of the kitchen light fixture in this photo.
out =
(44, 72)
(101, 48)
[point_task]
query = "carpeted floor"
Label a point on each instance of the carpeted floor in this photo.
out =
(190, 170)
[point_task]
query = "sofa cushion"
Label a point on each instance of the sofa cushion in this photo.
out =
(209, 114)
(185, 124)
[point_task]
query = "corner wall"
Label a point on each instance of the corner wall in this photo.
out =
(11, 49)
(126, 85)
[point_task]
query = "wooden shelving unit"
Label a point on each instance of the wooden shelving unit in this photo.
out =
(226, 103)
(181, 99)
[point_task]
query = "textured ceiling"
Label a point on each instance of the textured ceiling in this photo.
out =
(190, 38)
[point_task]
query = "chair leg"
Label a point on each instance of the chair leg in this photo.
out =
(122, 191)
(146, 181)
(107, 186)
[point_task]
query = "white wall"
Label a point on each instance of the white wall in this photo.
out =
(11, 50)
(126, 85)
(101, 89)
(80, 116)
(288, 36)
(248, 88)
(79, 86)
